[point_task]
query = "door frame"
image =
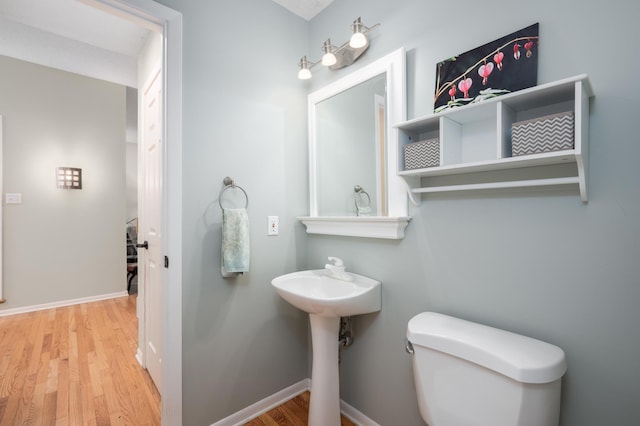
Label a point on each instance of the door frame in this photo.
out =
(159, 17)
(1, 212)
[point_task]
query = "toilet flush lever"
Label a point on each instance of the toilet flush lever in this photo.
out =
(408, 347)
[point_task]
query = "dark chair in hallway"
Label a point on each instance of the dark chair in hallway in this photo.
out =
(132, 252)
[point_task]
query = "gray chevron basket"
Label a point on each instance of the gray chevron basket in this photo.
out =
(419, 155)
(544, 134)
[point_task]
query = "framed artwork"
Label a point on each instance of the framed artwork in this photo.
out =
(505, 65)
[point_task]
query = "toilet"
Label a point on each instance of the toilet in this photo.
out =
(468, 374)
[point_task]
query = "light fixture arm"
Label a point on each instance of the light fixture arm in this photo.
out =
(358, 26)
(305, 63)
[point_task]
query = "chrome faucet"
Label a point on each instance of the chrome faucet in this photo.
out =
(337, 270)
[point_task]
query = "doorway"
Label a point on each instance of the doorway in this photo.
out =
(151, 14)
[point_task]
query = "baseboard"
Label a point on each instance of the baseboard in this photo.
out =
(139, 357)
(62, 303)
(355, 416)
(254, 410)
(251, 412)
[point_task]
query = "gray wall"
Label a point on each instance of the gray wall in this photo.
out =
(539, 263)
(131, 155)
(244, 116)
(62, 244)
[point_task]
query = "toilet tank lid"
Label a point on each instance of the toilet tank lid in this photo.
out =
(521, 358)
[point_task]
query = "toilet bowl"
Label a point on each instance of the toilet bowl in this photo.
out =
(468, 374)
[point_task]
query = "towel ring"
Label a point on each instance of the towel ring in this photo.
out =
(360, 192)
(228, 183)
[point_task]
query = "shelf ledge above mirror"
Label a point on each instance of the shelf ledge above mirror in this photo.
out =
(386, 227)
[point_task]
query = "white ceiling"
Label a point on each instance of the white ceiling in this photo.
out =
(74, 36)
(75, 20)
(305, 8)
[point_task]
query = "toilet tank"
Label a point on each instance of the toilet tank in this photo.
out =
(471, 374)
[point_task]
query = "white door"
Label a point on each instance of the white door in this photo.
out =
(150, 224)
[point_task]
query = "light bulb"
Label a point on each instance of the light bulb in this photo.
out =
(329, 59)
(304, 74)
(358, 40)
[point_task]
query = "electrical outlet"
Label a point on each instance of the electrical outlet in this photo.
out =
(273, 226)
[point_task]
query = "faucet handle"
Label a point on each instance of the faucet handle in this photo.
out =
(336, 261)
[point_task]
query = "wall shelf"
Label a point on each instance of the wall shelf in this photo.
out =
(475, 142)
(357, 226)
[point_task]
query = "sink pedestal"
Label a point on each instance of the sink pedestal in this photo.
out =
(326, 298)
(324, 406)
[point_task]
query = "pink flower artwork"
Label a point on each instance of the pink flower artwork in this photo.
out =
(471, 77)
(484, 72)
(516, 51)
(464, 85)
(497, 58)
(528, 45)
(452, 92)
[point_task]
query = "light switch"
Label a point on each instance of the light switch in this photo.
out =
(13, 198)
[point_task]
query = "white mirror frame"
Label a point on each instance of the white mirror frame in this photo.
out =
(393, 225)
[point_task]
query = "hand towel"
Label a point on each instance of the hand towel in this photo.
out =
(235, 242)
(363, 211)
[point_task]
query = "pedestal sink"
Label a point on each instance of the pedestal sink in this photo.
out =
(326, 299)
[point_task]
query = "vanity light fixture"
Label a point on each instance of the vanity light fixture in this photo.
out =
(336, 57)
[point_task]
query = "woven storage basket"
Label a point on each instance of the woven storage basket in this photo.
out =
(419, 155)
(544, 134)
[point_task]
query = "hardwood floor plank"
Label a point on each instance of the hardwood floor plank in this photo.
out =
(15, 379)
(88, 408)
(75, 404)
(40, 390)
(49, 409)
(62, 401)
(24, 409)
(60, 338)
(3, 404)
(101, 412)
(294, 413)
(94, 373)
(13, 353)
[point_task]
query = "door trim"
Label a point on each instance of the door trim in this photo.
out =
(1, 212)
(154, 15)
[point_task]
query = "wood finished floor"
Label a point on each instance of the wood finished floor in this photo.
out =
(292, 413)
(75, 366)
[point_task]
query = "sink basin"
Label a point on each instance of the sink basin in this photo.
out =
(316, 292)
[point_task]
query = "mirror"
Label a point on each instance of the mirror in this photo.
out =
(354, 187)
(350, 151)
